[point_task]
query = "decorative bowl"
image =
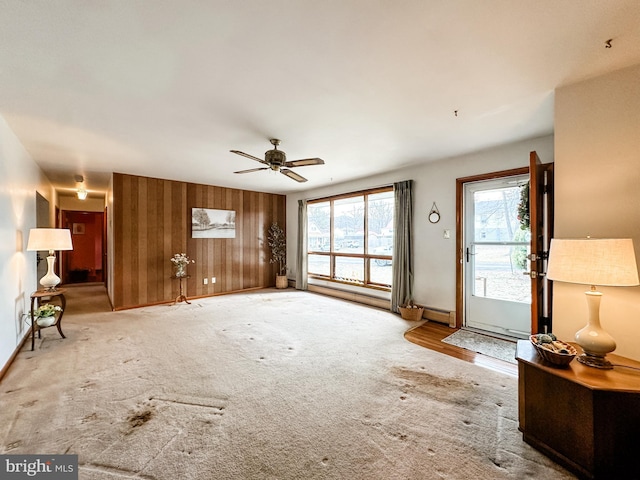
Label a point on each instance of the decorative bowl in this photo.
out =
(552, 356)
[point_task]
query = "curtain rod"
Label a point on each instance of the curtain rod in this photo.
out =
(386, 185)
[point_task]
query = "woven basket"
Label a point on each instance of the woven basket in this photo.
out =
(559, 359)
(411, 313)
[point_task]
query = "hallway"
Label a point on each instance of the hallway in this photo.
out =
(86, 298)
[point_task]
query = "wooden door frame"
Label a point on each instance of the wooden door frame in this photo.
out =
(460, 182)
(541, 220)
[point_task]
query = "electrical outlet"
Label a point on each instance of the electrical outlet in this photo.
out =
(205, 281)
(213, 279)
(447, 234)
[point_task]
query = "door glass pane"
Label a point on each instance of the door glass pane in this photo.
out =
(350, 269)
(349, 225)
(496, 214)
(319, 264)
(500, 272)
(318, 227)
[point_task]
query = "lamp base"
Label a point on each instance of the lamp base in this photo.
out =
(50, 280)
(595, 361)
(593, 340)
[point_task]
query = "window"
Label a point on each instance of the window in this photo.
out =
(350, 238)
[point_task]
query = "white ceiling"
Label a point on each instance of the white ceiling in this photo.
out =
(166, 88)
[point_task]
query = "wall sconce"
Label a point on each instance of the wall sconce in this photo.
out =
(604, 262)
(50, 239)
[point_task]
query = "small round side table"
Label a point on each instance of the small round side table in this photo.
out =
(36, 298)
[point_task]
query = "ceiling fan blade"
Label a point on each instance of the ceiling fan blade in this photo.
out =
(248, 156)
(304, 162)
(253, 170)
(292, 174)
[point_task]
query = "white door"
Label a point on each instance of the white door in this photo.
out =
(497, 288)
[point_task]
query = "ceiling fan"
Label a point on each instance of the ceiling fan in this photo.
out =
(276, 159)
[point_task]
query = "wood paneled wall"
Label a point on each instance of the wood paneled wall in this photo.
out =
(237, 263)
(152, 221)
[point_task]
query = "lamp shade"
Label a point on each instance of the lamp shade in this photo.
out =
(604, 262)
(49, 239)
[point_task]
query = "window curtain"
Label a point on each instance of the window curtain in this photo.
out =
(301, 267)
(402, 273)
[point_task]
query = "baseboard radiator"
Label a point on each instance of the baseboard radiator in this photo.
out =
(352, 296)
(439, 315)
(430, 313)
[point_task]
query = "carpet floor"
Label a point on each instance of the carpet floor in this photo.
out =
(263, 385)
(484, 344)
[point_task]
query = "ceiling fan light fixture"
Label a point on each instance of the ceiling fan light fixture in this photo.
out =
(276, 159)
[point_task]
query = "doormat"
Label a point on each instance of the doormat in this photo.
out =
(484, 344)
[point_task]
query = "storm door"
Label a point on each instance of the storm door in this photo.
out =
(497, 286)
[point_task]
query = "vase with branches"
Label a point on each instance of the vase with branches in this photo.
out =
(278, 245)
(180, 261)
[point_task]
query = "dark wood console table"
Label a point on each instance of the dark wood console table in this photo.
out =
(584, 418)
(36, 298)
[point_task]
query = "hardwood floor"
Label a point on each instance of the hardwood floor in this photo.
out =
(430, 335)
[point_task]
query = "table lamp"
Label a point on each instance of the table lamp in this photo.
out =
(603, 262)
(51, 239)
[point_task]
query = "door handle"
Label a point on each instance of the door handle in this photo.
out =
(468, 254)
(534, 274)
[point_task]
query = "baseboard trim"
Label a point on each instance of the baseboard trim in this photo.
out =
(195, 297)
(13, 356)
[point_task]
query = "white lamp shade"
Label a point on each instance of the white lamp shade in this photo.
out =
(49, 239)
(604, 262)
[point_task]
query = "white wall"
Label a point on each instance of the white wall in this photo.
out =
(597, 149)
(435, 257)
(20, 178)
(73, 203)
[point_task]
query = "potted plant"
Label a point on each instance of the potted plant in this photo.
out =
(46, 314)
(278, 245)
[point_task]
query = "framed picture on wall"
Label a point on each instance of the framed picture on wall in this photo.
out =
(211, 223)
(78, 228)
